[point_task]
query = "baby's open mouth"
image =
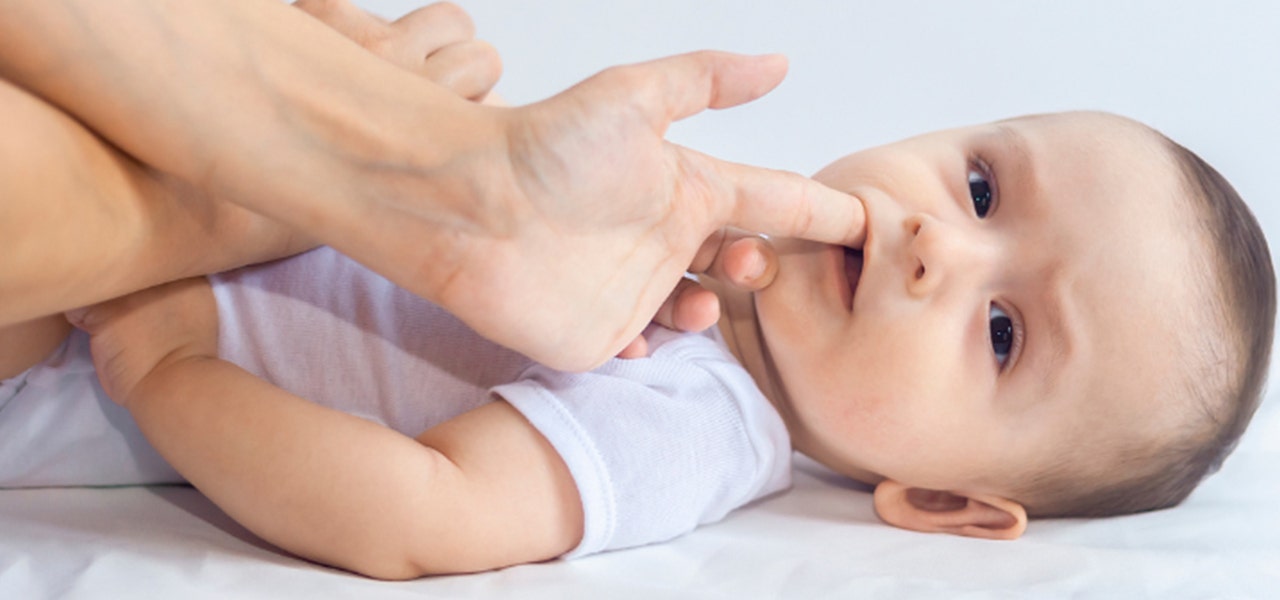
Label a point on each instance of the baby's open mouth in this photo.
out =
(852, 273)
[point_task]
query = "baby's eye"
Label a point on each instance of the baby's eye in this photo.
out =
(1001, 334)
(980, 191)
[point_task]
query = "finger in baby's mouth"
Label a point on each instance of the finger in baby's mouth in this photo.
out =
(853, 260)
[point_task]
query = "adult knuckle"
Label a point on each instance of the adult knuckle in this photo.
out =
(493, 59)
(626, 76)
(803, 219)
(330, 12)
(314, 7)
(380, 43)
(455, 15)
(486, 60)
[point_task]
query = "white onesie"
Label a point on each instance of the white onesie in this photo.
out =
(656, 446)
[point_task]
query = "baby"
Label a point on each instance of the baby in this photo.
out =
(1060, 315)
(1055, 315)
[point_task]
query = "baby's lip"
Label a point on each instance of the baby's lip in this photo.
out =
(851, 270)
(854, 257)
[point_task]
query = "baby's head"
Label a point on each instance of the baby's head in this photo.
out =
(1057, 315)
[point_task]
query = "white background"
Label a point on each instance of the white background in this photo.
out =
(867, 72)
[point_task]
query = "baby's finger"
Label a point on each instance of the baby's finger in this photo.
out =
(435, 26)
(470, 69)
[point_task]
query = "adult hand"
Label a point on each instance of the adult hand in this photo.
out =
(736, 258)
(578, 235)
(556, 229)
(437, 41)
(146, 227)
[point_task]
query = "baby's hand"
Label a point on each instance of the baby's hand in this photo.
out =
(136, 335)
(437, 41)
(744, 261)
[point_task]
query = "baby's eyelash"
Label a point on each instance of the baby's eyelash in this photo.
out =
(984, 163)
(987, 166)
(1019, 336)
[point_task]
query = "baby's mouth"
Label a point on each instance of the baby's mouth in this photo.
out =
(852, 273)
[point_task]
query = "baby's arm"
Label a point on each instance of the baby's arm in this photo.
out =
(481, 491)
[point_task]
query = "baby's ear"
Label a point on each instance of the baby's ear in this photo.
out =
(934, 511)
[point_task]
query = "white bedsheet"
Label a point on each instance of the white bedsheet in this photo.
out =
(862, 73)
(819, 540)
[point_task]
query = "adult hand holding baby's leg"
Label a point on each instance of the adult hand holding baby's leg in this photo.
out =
(137, 335)
(556, 229)
(66, 189)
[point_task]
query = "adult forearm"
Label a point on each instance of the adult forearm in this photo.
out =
(83, 222)
(555, 229)
(250, 99)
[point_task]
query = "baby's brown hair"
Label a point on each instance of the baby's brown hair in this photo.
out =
(1149, 476)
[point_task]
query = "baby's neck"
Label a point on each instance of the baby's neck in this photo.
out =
(740, 326)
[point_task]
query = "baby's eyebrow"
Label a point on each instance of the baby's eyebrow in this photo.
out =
(1017, 146)
(1054, 339)
(1015, 160)
(1057, 345)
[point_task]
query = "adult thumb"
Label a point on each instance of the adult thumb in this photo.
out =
(680, 86)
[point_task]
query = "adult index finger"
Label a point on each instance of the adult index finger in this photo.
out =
(789, 204)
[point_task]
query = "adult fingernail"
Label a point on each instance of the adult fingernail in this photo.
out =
(756, 267)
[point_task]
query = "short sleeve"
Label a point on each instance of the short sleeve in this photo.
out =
(661, 445)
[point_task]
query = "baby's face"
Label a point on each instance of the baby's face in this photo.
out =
(1018, 299)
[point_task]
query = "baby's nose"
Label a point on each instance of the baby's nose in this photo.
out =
(941, 253)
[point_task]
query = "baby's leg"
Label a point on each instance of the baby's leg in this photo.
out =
(37, 138)
(22, 345)
(83, 222)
